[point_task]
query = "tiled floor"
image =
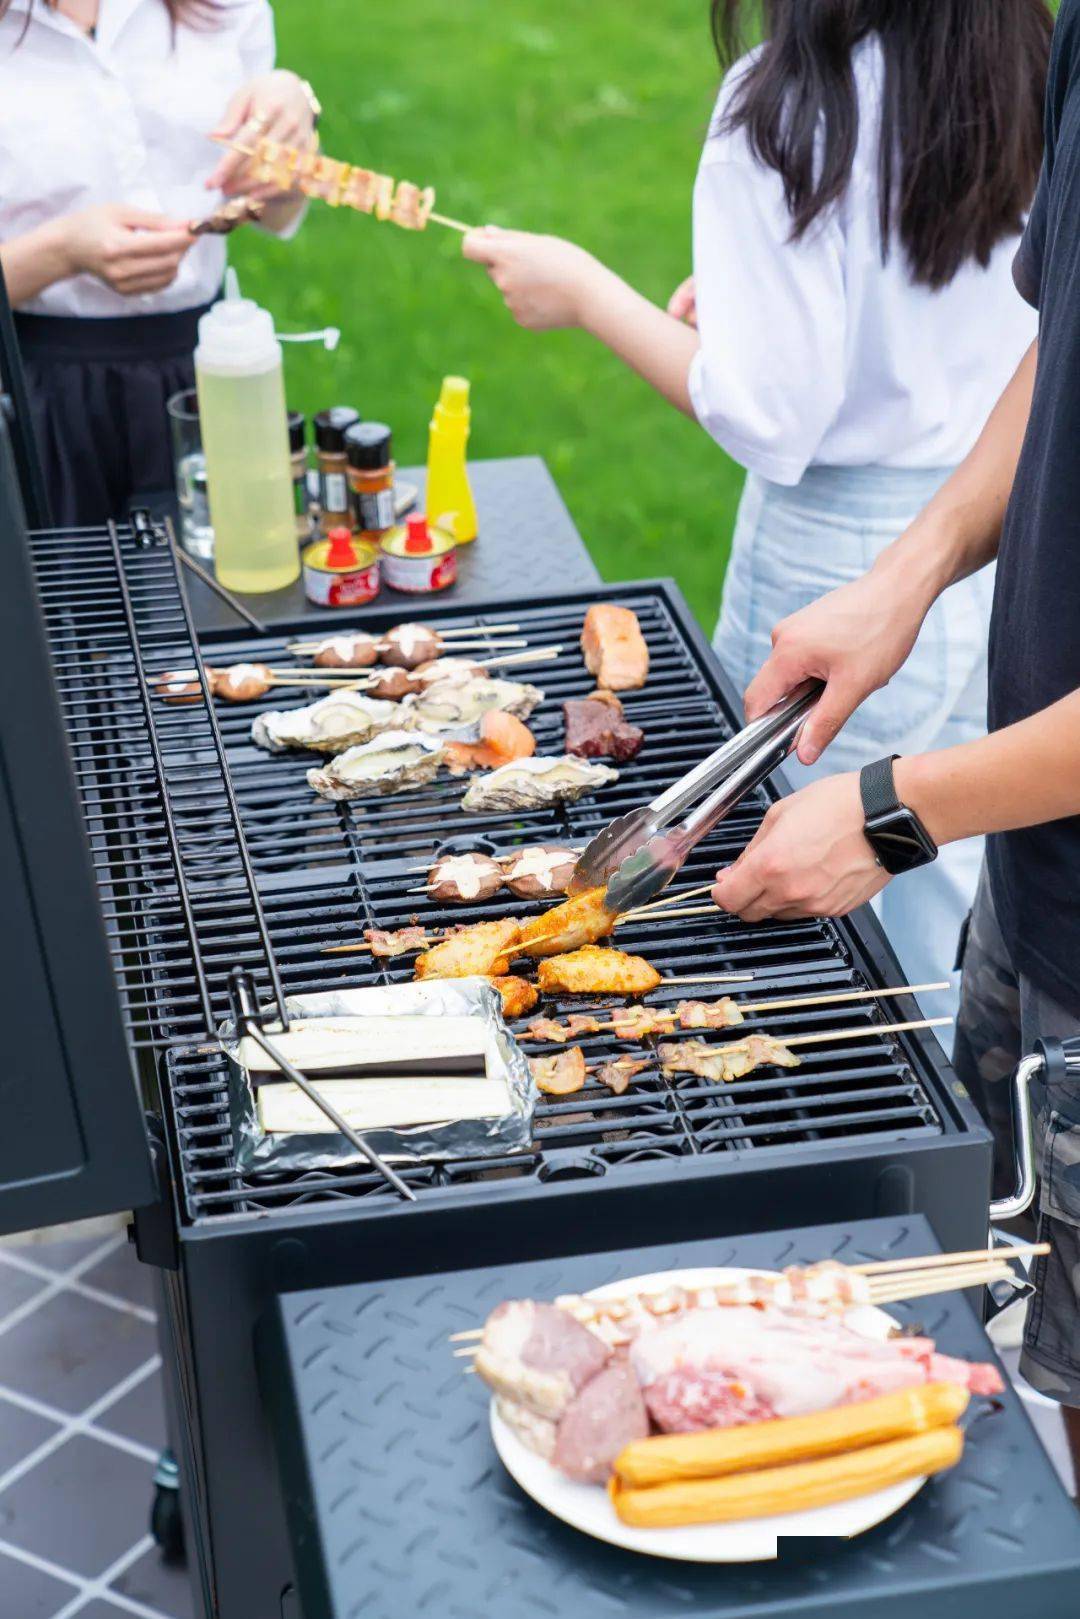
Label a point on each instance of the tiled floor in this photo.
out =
(81, 1428)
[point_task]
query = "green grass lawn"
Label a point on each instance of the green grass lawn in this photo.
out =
(585, 120)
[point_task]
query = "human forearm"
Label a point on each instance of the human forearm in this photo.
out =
(651, 342)
(35, 260)
(958, 531)
(281, 213)
(1022, 775)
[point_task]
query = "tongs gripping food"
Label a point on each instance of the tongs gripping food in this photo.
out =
(636, 858)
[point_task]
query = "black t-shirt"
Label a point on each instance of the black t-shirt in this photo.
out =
(1035, 631)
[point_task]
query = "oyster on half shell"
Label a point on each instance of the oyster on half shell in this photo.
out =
(336, 721)
(458, 705)
(387, 764)
(532, 784)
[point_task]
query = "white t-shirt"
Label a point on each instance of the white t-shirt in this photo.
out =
(816, 352)
(123, 118)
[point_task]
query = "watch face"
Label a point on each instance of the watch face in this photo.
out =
(900, 840)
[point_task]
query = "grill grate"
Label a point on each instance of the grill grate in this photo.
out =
(182, 911)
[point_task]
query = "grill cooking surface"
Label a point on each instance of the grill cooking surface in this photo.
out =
(163, 786)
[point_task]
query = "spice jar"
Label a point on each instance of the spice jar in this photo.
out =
(371, 476)
(298, 458)
(330, 428)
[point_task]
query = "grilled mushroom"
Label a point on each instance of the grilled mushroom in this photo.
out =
(460, 879)
(407, 645)
(539, 870)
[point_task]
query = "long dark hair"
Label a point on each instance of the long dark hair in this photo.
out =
(961, 114)
(195, 13)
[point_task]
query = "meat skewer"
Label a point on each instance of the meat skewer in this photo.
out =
(826, 1285)
(242, 682)
(727, 1013)
(343, 184)
(369, 646)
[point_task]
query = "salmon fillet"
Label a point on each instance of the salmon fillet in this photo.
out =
(614, 647)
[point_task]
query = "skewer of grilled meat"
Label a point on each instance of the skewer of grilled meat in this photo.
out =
(576, 922)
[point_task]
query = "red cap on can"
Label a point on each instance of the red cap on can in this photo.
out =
(341, 553)
(417, 538)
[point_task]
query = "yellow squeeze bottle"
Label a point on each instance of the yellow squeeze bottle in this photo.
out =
(245, 437)
(449, 499)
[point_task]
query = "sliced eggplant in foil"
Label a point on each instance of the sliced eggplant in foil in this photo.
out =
(389, 763)
(534, 784)
(337, 721)
(460, 705)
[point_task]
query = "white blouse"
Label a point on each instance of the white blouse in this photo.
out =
(123, 118)
(816, 352)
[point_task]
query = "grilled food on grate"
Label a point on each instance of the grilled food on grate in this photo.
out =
(387, 764)
(503, 738)
(595, 970)
(596, 729)
(569, 926)
(535, 784)
(614, 647)
(341, 720)
(483, 951)
(728, 1060)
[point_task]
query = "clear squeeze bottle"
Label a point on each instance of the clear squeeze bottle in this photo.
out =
(448, 498)
(245, 435)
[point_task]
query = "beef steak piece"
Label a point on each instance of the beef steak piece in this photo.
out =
(595, 729)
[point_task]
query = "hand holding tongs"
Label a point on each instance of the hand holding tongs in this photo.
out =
(636, 857)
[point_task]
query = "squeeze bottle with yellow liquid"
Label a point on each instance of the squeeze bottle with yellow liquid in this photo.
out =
(245, 437)
(448, 498)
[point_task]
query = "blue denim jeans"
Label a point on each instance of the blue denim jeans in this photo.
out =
(790, 547)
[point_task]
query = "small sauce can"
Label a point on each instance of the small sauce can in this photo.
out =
(418, 559)
(341, 571)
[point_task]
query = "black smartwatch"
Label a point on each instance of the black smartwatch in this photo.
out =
(894, 832)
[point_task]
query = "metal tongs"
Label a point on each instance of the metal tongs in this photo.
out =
(249, 1021)
(637, 855)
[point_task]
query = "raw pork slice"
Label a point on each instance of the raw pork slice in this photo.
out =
(538, 1355)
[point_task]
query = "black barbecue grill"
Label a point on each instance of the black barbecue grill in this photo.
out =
(208, 853)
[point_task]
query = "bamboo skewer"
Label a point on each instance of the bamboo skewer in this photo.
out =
(888, 1267)
(672, 899)
(708, 978)
(870, 1030)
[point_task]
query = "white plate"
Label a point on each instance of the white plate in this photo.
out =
(587, 1507)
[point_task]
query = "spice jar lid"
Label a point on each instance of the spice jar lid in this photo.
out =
(297, 431)
(340, 551)
(367, 444)
(417, 538)
(330, 426)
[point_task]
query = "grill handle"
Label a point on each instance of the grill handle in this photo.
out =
(1007, 1208)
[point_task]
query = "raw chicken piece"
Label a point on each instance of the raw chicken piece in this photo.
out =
(593, 970)
(716, 1368)
(614, 647)
(721, 1014)
(482, 951)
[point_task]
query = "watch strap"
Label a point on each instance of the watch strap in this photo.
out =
(877, 787)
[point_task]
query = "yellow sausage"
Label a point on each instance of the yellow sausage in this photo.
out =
(789, 1439)
(774, 1490)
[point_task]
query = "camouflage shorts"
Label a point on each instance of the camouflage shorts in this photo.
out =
(1001, 1015)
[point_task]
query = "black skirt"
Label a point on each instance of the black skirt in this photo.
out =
(97, 392)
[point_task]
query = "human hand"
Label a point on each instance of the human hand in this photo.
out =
(854, 638)
(809, 857)
(683, 302)
(544, 279)
(272, 107)
(129, 249)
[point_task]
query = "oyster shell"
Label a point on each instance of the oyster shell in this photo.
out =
(460, 705)
(339, 720)
(387, 764)
(531, 784)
